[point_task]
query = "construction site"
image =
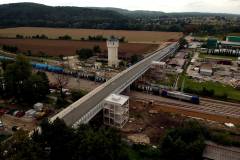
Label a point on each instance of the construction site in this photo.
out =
(150, 116)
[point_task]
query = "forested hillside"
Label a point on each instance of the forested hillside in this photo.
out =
(37, 15)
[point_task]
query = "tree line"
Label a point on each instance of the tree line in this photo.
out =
(89, 142)
(19, 81)
(68, 37)
(21, 14)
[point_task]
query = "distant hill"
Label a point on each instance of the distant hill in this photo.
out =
(145, 14)
(31, 14)
(136, 13)
(38, 15)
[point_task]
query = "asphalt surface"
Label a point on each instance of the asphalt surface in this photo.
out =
(75, 111)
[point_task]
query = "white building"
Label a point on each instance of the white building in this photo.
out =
(38, 106)
(116, 110)
(206, 69)
(113, 44)
(97, 65)
(158, 65)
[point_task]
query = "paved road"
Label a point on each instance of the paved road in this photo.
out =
(81, 107)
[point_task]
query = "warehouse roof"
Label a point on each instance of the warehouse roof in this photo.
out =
(206, 66)
(229, 43)
(233, 39)
(212, 43)
(177, 62)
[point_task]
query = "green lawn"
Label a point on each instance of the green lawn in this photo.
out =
(204, 55)
(219, 89)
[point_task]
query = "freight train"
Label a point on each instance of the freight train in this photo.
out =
(166, 93)
(39, 66)
(47, 67)
(60, 70)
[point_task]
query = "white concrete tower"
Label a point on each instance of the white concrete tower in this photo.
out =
(113, 44)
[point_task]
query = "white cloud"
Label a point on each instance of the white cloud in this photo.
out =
(220, 6)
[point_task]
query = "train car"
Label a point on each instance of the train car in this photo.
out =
(55, 69)
(156, 90)
(181, 96)
(46, 67)
(39, 66)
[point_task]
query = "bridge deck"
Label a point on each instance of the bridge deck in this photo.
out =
(75, 111)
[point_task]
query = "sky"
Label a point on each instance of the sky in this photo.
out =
(216, 6)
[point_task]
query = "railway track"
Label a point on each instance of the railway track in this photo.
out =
(206, 106)
(220, 102)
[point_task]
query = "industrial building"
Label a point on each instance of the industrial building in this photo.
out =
(116, 110)
(230, 46)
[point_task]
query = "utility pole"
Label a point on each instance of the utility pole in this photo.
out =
(183, 84)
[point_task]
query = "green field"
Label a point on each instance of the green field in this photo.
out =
(220, 90)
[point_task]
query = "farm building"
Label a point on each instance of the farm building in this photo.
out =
(116, 110)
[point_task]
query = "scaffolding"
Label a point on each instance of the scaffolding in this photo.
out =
(116, 110)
